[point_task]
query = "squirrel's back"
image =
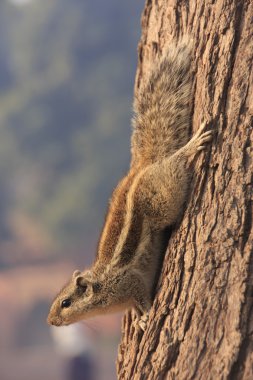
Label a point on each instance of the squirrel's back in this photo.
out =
(162, 108)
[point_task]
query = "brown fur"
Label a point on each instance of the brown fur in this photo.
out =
(147, 200)
(113, 223)
(162, 107)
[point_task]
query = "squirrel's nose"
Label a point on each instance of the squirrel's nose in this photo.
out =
(50, 320)
(53, 321)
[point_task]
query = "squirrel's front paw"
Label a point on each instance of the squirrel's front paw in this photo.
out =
(143, 321)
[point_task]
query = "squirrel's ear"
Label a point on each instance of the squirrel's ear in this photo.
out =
(81, 281)
(84, 279)
(75, 274)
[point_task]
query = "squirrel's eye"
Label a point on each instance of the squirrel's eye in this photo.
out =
(66, 303)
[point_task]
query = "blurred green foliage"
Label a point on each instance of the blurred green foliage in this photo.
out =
(66, 81)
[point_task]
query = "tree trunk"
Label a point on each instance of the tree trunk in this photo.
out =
(201, 322)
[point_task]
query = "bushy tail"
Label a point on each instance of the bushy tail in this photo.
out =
(162, 108)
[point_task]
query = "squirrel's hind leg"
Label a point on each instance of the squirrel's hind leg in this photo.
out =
(163, 187)
(196, 143)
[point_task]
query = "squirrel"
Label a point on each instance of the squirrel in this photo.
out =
(148, 199)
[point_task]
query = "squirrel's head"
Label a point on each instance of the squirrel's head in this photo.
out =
(81, 298)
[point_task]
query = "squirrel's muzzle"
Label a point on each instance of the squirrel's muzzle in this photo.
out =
(55, 321)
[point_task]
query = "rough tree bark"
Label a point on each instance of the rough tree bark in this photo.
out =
(201, 323)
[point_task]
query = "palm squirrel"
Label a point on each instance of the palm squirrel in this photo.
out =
(149, 198)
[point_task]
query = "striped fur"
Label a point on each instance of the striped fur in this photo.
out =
(131, 233)
(114, 223)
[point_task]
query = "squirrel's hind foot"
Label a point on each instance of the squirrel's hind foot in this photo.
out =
(198, 141)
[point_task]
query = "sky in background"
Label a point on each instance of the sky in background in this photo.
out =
(20, 2)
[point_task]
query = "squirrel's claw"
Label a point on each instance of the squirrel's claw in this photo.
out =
(143, 321)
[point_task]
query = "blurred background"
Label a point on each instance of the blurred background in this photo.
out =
(66, 81)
